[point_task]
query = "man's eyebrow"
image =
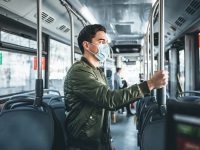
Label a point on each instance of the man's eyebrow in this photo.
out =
(102, 40)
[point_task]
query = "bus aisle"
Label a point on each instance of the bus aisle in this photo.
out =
(124, 133)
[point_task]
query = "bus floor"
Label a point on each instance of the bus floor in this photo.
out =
(124, 133)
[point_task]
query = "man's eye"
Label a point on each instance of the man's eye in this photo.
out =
(101, 42)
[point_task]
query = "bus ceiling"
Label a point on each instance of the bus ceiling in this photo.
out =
(125, 20)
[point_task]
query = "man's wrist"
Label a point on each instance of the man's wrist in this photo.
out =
(150, 84)
(144, 88)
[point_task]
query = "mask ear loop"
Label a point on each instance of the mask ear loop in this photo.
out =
(91, 51)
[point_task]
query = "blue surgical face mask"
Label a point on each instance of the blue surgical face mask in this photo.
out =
(103, 52)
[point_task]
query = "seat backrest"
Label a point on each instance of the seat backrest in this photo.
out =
(153, 130)
(58, 110)
(26, 128)
(60, 138)
(188, 96)
(153, 136)
(143, 106)
(58, 105)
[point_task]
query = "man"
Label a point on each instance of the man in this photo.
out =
(120, 84)
(89, 96)
(117, 79)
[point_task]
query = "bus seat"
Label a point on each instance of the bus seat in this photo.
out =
(58, 108)
(152, 131)
(26, 128)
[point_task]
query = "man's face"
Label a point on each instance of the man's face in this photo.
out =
(100, 38)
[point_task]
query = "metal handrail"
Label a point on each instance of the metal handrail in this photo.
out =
(150, 32)
(147, 50)
(152, 41)
(67, 5)
(152, 37)
(39, 80)
(162, 91)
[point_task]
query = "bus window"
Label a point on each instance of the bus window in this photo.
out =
(17, 69)
(131, 73)
(17, 73)
(17, 40)
(60, 62)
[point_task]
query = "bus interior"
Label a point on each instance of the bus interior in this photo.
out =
(38, 45)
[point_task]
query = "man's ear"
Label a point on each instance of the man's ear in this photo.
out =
(85, 45)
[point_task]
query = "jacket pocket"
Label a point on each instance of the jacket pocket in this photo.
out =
(92, 126)
(91, 121)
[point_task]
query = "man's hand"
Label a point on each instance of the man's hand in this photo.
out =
(158, 80)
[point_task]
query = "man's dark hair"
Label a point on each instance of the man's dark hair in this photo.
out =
(87, 33)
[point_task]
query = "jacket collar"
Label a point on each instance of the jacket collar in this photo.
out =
(91, 65)
(87, 62)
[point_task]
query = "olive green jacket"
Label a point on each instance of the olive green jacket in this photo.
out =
(90, 99)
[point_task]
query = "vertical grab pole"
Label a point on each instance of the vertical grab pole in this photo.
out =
(39, 39)
(65, 3)
(70, 12)
(152, 50)
(147, 50)
(39, 81)
(162, 91)
(72, 35)
(144, 63)
(152, 42)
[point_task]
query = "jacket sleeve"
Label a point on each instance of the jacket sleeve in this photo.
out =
(84, 84)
